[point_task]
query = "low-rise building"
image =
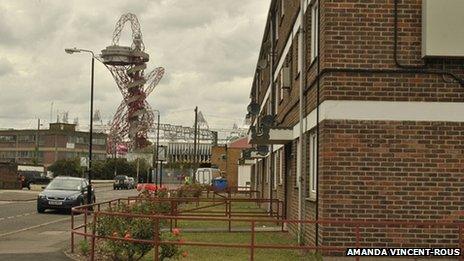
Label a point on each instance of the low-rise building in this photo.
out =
(226, 159)
(45, 146)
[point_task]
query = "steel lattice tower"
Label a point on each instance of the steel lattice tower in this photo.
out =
(134, 116)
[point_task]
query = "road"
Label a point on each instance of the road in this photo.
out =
(27, 235)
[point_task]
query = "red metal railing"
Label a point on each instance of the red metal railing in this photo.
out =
(355, 225)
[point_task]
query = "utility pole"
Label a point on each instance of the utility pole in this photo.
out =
(195, 144)
(155, 153)
(37, 143)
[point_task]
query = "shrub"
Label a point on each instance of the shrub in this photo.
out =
(84, 247)
(190, 191)
(130, 228)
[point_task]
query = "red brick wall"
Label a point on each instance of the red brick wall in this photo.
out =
(373, 170)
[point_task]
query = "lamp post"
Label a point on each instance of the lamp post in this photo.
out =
(89, 187)
(155, 151)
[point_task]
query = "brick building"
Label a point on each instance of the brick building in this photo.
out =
(366, 121)
(226, 158)
(60, 141)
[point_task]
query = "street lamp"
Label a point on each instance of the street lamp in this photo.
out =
(89, 187)
(155, 150)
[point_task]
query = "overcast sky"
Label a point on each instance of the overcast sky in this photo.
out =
(209, 49)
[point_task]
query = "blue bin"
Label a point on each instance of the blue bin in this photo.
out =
(220, 184)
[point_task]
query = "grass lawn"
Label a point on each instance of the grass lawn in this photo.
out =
(236, 207)
(197, 253)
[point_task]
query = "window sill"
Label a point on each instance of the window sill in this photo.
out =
(311, 199)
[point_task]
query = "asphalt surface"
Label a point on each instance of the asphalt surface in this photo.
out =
(27, 235)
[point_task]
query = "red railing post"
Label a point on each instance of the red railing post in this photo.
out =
(252, 245)
(156, 239)
(72, 231)
(358, 240)
(229, 215)
(85, 223)
(461, 241)
(172, 214)
(92, 245)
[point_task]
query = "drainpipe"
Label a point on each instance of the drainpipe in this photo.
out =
(301, 117)
(273, 110)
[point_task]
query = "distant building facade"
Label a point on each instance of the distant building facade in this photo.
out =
(60, 141)
(184, 152)
(226, 158)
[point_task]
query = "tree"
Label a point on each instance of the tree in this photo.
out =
(66, 167)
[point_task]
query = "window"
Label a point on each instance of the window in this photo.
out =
(282, 8)
(99, 141)
(7, 138)
(298, 164)
(26, 138)
(266, 168)
(313, 165)
(299, 59)
(7, 155)
(278, 95)
(314, 29)
(281, 166)
(275, 170)
(277, 24)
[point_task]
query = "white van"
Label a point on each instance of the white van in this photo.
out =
(205, 176)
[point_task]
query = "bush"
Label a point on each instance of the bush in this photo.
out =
(190, 191)
(135, 228)
(84, 247)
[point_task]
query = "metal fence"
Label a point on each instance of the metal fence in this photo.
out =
(227, 215)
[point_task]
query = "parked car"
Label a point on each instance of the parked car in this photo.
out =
(205, 176)
(64, 193)
(132, 184)
(121, 182)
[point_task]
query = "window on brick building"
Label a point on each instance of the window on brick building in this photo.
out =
(298, 163)
(314, 29)
(266, 169)
(7, 138)
(277, 91)
(312, 165)
(275, 170)
(281, 166)
(282, 8)
(276, 25)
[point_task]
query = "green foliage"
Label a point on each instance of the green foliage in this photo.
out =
(66, 167)
(107, 169)
(133, 228)
(169, 250)
(84, 247)
(190, 190)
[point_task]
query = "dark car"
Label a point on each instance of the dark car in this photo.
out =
(64, 193)
(121, 182)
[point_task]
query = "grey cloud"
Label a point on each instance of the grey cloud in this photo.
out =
(208, 47)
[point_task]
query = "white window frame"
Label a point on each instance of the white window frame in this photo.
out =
(266, 169)
(298, 164)
(281, 166)
(277, 88)
(314, 29)
(313, 155)
(299, 61)
(275, 170)
(282, 8)
(277, 24)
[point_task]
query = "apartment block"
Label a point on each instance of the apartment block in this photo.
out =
(361, 111)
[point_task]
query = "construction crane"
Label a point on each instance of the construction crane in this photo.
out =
(134, 116)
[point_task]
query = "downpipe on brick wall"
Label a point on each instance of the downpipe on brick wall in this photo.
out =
(301, 116)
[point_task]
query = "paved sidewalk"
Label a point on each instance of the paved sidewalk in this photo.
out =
(18, 195)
